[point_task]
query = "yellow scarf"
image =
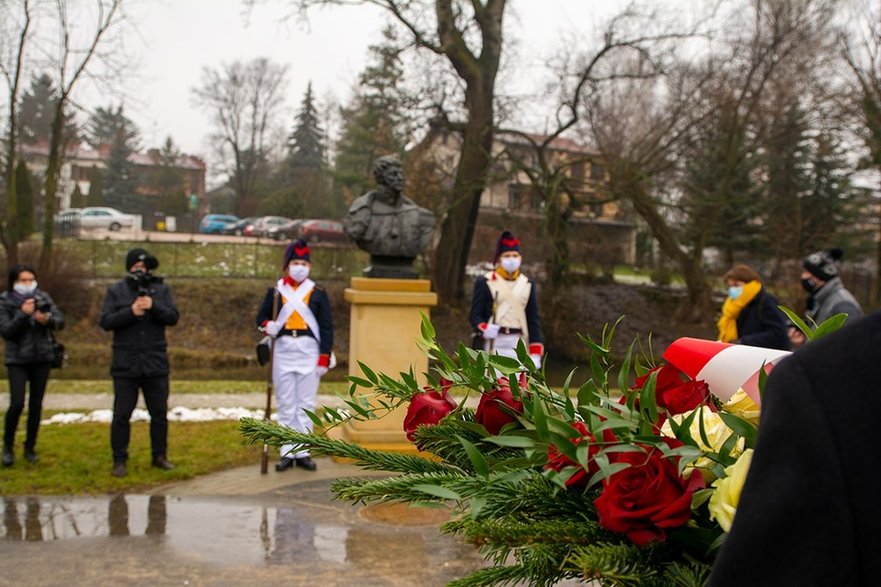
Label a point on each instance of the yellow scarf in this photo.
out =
(508, 276)
(731, 310)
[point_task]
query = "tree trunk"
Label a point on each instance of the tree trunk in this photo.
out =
(457, 230)
(52, 171)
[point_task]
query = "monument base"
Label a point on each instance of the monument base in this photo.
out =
(385, 323)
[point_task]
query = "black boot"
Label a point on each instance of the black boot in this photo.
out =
(7, 458)
(306, 463)
(283, 464)
(31, 456)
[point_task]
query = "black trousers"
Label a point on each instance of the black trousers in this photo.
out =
(19, 375)
(125, 398)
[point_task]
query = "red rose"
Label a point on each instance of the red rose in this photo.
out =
(557, 461)
(675, 393)
(490, 411)
(645, 499)
(427, 409)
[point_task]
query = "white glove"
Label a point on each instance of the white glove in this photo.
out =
(491, 331)
(321, 371)
(536, 359)
(272, 328)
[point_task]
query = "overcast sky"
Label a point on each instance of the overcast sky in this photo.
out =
(180, 37)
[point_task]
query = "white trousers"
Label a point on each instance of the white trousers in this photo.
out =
(505, 345)
(295, 378)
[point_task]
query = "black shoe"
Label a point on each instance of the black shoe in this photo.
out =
(283, 464)
(119, 469)
(7, 458)
(161, 462)
(30, 456)
(306, 463)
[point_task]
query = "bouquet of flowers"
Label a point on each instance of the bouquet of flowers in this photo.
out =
(633, 478)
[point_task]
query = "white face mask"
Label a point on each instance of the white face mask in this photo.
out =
(298, 272)
(511, 264)
(24, 289)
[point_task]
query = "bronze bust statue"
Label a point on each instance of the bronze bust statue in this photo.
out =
(389, 225)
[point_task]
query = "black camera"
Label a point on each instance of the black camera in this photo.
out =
(41, 304)
(143, 280)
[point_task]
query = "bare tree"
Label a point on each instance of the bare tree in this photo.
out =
(863, 55)
(15, 28)
(243, 100)
(468, 35)
(77, 49)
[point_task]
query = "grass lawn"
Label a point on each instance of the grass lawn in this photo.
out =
(76, 459)
(177, 386)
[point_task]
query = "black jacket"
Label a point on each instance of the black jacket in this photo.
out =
(482, 309)
(810, 512)
(27, 341)
(761, 323)
(139, 345)
(319, 303)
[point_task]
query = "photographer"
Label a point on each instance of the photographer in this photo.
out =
(137, 309)
(27, 317)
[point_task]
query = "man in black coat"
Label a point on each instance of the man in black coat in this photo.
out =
(810, 511)
(137, 309)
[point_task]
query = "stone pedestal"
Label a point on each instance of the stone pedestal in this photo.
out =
(385, 321)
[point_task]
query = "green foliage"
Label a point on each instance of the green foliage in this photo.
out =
(522, 514)
(95, 197)
(120, 187)
(109, 126)
(37, 110)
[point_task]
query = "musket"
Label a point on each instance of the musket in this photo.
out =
(264, 459)
(492, 342)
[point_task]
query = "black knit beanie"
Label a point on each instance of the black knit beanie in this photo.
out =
(824, 264)
(135, 255)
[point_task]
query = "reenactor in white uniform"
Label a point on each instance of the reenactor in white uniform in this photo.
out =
(504, 305)
(296, 314)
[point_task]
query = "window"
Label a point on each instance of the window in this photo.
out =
(515, 196)
(597, 172)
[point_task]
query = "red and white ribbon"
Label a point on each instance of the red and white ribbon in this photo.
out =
(725, 367)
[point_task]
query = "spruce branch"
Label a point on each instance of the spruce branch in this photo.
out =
(619, 565)
(512, 533)
(260, 431)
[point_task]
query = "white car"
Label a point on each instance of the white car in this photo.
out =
(106, 218)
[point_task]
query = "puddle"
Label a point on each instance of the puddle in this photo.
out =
(300, 537)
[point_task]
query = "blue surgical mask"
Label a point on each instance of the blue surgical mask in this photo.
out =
(734, 291)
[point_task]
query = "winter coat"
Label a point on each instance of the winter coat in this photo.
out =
(27, 341)
(139, 345)
(482, 309)
(809, 512)
(761, 323)
(833, 299)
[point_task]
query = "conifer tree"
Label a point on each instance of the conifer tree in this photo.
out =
(120, 188)
(95, 196)
(25, 190)
(108, 126)
(306, 141)
(374, 123)
(37, 109)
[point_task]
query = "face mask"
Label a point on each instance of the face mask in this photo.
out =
(298, 272)
(734, 291)
(511, 264)
(25, 290)
(809, 284)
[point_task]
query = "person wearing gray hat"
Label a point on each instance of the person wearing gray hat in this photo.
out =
(827, 295)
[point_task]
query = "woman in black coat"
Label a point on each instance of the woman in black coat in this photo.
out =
(750, 314)
(27, 318)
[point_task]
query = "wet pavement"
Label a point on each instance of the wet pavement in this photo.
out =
(285, 530)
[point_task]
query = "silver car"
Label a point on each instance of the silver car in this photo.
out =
(106, 218)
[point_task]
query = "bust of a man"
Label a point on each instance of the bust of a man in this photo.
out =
(389, 225)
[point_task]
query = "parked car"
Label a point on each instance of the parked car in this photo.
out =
(215, 223)
(238, 228)
(262, 225)
(330, 231)
(106, 218)
(289, 231)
